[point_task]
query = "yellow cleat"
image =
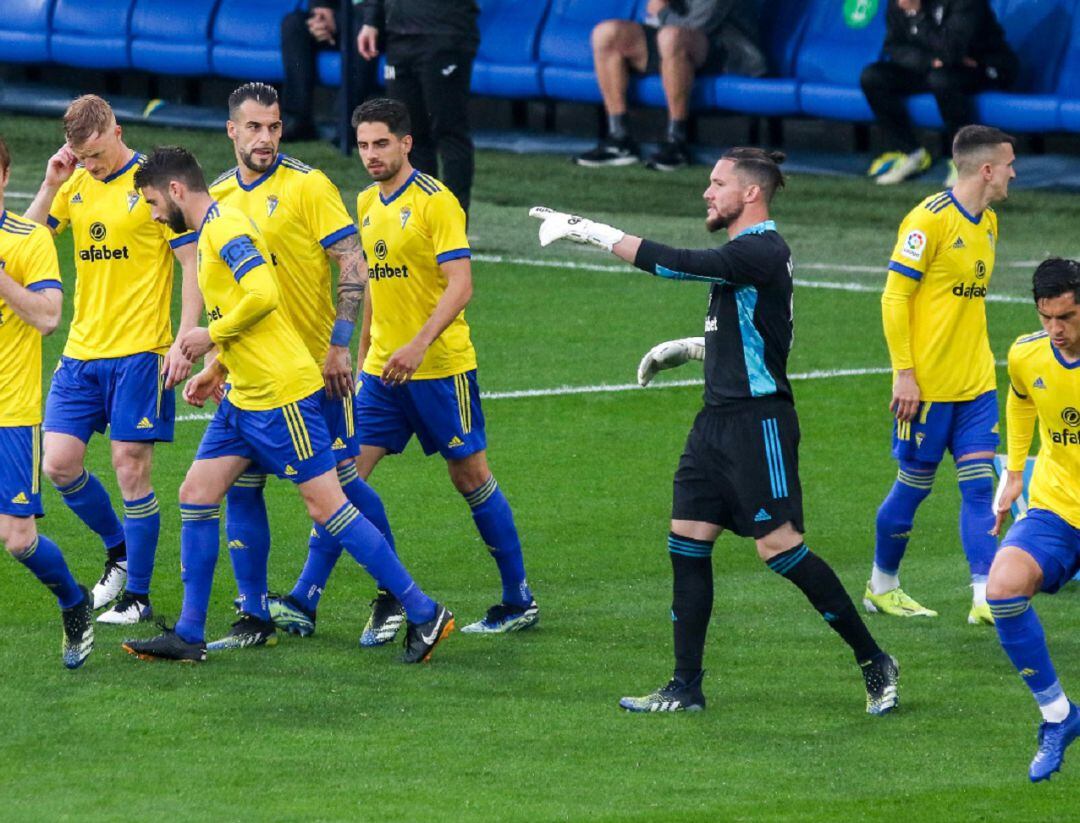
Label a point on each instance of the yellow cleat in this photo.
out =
(894, 602)
(883, 162)
(980, 615)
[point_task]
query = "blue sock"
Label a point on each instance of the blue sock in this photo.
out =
(366, 500)
(199, 526)
(323, 554)
(1022, 638)
(976, 478)
(363, 541)
(247, 530)
(897, 514)
(90, 502)
(495, 522)
(44, 559)
(142, 524)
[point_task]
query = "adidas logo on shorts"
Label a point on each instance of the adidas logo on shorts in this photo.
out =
(145, 424)
(289, 471)
(762, 516)
(20, 499)
(338, 444)
(455, 442)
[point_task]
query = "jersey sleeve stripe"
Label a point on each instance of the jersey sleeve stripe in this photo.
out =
(249, 264)
(42, 285)
(455, 254)
(907, 271)
(1017, 393)
(340, 234)
(183, 240)
(431, 181)
(425, 185)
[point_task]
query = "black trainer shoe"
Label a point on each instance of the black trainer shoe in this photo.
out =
(387, 615)
(249, 630)
(78, 631)
(422, 638)
(610, 152)
(166, 646)
(676, 696)
(670, 156)
(882, 676)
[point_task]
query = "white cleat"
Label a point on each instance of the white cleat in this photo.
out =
(112, 582)
(127, 611)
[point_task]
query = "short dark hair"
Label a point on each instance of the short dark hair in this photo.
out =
(259, 92)
(971, 140)
(760, 165)
(1054, 277)
(168, 163)
(393, 113)
(5, 156)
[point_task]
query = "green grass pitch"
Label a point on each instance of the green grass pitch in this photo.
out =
(527, 727)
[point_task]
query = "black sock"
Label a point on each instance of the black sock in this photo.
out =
(616, 124)
(117, 552)
(676, 131)
(691, 601)
(823, 589)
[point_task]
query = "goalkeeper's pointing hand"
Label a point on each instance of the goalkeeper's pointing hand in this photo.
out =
(669, 355)
(558, 225)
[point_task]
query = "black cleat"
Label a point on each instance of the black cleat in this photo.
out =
(422, 638)
(676, 696)
(882, 676)
(247, 631)
(78, 631)
(387, 615)
(166, 646)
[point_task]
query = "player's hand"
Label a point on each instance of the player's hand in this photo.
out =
(322, 25)
(337, 373)
(176, 367)
(403, 364)
(209, 383)
(669, 355)
(905, 395)
(194, 343)
(557, 225)
(1009, 489)
(60, 166)
(367, 42)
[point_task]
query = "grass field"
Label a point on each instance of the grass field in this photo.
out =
(526, 727)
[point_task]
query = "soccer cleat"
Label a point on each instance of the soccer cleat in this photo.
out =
(882, 678)
(78, 632)
(112, 582)
(980, 615)
(166, 646)
(127, 611)
(1054, 739)
(245, 632)
(505, 617)
(883, 162)
(422, 638)
(676, 696)
(894, 602)
(610, 152)
(672, 155)
(915, 163)
(386, 618)
(289, 616)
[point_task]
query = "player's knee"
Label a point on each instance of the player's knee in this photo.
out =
(194, 493)
(60, 468)
(468, 475)
(17, 534)
(1014, 573)
(605, 35)
(673, 42)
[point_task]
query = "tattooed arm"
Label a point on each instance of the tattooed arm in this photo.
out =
(352, 283)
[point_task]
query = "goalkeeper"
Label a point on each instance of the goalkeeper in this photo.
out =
(739, 469)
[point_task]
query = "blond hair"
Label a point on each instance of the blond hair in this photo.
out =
(86, 116)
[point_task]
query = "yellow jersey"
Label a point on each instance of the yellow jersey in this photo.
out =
(28, 255)
(123, 265)
(949, 254)
(267, 362)
(1043, 384)
(406, 236)
(300, 214)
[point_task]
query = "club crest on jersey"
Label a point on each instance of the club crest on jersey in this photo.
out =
(132, 200)
(406, 213)
(914, 245)
(271, 204)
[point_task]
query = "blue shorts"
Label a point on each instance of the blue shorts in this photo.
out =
(20, 471)
(127, 394)
(341, 426)
(443, 413)
(962, 428)
(291, 441)
(1052, 541)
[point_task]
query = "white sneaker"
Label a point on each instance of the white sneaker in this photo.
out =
(126, 612)
(914, 163)
(110, 585)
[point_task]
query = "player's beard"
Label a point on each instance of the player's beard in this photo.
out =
(389, 169)
(174, 218)
(248, 159)
(723, 220)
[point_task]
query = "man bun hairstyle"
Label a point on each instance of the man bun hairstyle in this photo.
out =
(86, 116)
(762, 166)
(393, 113)
(1054, 277)
(168, 163)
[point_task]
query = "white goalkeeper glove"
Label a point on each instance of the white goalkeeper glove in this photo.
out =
(557, 225)
(669, 355)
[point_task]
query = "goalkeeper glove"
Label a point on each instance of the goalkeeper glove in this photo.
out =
(557, 225)
(669, 355)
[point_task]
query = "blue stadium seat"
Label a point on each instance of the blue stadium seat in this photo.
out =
(24, 31)
(564, 51)
(91, 33)
(1068, 88)
(506, 64)
(169, 38)
(247, 39)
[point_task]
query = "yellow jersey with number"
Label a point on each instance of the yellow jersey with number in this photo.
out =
(123, 265)
(406, 237)
(300, 214)
(1043, 383)
(950, 254)
(28, 256)
(268, 364)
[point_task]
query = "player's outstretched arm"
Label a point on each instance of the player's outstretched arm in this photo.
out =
(669, 355)
(558, 225)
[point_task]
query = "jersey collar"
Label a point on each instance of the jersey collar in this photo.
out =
(386, 201)
(134, 159)
(963, 211)
(266, 174)
(1062, 360)
(758, 228)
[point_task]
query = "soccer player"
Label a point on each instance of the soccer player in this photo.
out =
(271, 415)
(1041, 551)
(30, 301)
(739, 469)
(944, 397)
(120, 363)
(419, 366)
(304, 223)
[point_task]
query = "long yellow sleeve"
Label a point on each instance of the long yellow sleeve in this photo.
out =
(1020, 417)
(261, 297)
(896, 318)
